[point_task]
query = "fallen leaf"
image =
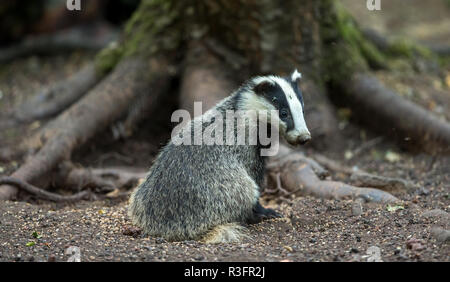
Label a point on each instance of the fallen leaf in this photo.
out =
(392, 156)
(30, 244)
(390, 208)
(348, 155)
(36, 235)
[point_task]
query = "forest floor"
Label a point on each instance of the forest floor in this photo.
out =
(311, 229)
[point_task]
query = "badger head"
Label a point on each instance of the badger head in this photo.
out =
(283, 95)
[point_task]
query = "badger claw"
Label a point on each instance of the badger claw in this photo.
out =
(260, 213)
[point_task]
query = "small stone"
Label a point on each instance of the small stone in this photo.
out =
(160, 240)
(415, 244)
(357, 209)
(440, 234)
(422, 191)
(436, 213)
(199, 258)
(130, 230)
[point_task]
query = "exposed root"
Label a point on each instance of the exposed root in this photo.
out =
(42, 194)
(87, 38)
(367, 145)
(321, 172)
(107, 102)
(361, 178)
(52, 100)
(299, 176)
(384, 109)
(384, 44)
(381, 182)
(84, 181)
(102, 180)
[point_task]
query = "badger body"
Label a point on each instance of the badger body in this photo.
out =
(206, 192)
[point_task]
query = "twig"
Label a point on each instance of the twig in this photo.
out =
(367, 145)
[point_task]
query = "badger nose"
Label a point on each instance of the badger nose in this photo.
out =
(303, 139)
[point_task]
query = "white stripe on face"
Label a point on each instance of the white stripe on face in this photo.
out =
(295, 106)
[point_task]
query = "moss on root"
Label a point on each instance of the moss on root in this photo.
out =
(154, 27)
(350, 33)
(344, 49)
(408, 49)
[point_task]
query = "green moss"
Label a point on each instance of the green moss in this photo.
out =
(153, 18)
(154, 27)
(107, 58)
(406, 48)
(342, 41)
(350, 33)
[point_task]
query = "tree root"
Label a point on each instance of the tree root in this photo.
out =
(384, 44)
(104, 104)
(384, 109)
(52, 100)
(102, 180)
(299, 177)
(362, 178)
(84, 181)
(84, 37)
(42, 194)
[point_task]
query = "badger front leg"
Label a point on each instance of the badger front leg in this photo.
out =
(260, 213)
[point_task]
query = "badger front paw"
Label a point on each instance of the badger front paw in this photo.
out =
(270, 213)
(260, 213)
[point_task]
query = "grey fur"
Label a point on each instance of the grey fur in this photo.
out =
(192, 189)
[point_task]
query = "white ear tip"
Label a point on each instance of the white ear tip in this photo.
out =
(296, 75)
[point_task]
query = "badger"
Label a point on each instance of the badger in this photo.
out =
(210, 193)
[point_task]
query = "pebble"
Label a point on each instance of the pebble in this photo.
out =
(441, 234)
(415, 244)
(357, 209)
(422, 191)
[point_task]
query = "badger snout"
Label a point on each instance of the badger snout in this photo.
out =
(296, 138)
(303, 139)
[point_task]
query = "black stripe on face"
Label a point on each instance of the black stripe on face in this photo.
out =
(275, 95)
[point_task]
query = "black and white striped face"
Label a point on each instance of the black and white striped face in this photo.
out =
(284, 95)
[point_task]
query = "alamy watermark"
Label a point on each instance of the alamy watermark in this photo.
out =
(74, 254)
(240, 127)
(373, 5)
(73, 5)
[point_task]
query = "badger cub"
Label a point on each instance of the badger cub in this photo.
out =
(206, 192)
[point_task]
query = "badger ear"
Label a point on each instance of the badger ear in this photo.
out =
(263, 87)
(295, 76)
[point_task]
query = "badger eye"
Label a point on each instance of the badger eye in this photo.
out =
(283, 114)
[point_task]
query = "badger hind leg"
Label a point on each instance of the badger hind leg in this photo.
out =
(225, 233)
